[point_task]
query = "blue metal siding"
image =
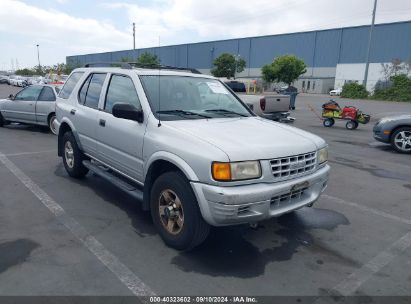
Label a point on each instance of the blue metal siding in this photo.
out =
(244, 49)
(327, 48)
(265, 49)
(391, 41)
(324, 48)
(227, 46)
(167, 55)
(354, 45)
(200, 55)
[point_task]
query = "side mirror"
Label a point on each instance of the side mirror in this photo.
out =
(11, 96)
(127, 111)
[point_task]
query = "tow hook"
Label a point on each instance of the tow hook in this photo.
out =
(253, 225)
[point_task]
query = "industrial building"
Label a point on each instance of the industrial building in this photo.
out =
(333, 57)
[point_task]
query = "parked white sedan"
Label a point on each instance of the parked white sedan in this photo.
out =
(35, 105)
(336, 92)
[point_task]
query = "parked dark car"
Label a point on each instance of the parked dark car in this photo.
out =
(395, 130)
(4, 80)
(236, 86)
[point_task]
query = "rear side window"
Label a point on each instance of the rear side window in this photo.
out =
(121, 89)
(70, 84)
(90, 91)
(47, 94)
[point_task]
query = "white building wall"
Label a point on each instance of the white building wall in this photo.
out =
(355, 72)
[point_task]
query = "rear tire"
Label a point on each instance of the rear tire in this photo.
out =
(175, 212)
(51, 124)
(329, 122)
(73, 157)
(401, 140)
(351, 125)
(2, 122)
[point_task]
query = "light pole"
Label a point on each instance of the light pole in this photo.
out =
(367, 60)
(237, 58)
(134, 36)
(38, 56)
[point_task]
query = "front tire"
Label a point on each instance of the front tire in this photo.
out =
(401, 140)
(2, 121)
(73, 157)
(175, 212)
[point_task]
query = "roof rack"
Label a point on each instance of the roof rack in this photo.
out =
(162, 67)
(130, 65)
(123, 65)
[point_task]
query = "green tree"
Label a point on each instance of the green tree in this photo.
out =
(226, 65)
(148, 59)
(25, 72)
(399, 89)
(286, 68)
(127, 59)
(354, 90)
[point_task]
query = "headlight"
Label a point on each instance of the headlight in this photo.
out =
(236, 171)
(322, 155)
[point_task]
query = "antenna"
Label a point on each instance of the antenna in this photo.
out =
(159, 85)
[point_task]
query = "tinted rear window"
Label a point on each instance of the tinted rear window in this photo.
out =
(236, 86)
(70, 84)
(91, 89)
(47, 94)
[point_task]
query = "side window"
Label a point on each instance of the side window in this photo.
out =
(90, 92)
(83, 91)
(121, 89)
(47, 94)
(70, 84)
(29, 93)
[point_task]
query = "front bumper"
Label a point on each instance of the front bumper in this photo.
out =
(379, 135)
(222, 206)
(277, 116)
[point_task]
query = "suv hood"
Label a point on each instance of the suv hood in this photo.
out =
(250, 138)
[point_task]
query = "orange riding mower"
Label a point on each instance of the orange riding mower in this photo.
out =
(333, 111)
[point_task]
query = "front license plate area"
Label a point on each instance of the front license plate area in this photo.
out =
(300, 186)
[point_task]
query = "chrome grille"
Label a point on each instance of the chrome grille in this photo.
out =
(293, 166)
(287, 198)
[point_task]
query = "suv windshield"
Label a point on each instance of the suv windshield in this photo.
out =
(181, 97)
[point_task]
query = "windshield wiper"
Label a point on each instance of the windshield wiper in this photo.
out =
(183, 112)
(224, 111)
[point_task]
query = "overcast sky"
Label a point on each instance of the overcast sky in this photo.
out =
(70, 27)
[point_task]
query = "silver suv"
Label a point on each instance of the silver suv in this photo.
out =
(187, 147)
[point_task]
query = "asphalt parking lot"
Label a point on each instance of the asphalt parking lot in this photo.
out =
(356, 240)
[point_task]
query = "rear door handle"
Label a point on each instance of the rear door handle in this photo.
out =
(102, 122)
(73, 112)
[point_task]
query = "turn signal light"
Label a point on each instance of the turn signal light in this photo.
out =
(221, 171)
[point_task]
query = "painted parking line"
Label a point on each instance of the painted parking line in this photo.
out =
(354, 281)
(121, 271)
(30, 153)
(350, 284)
(367, 209)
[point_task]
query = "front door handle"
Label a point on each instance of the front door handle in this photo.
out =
(102, 122)
(73, 112)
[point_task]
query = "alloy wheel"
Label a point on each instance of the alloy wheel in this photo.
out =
(171, 211)
(403, 141)
(69, 154)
